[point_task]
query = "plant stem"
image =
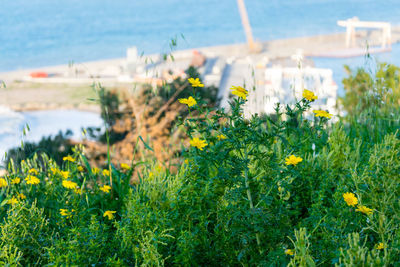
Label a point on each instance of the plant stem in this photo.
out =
(247, 183)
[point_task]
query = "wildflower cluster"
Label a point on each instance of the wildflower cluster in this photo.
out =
(352, 200)
(248, 191)
(67, 195)
(225, 147)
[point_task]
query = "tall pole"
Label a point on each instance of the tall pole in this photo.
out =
(246, 25)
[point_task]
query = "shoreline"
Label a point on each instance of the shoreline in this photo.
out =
(322, 45)
(69, 86)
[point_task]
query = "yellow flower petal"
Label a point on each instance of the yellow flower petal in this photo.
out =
(3, 182)
(16, 180)
(240, 92)
(195, 82)
(190, 101)
(221, 137)
(69, 184)
(350, 199)
(293, 160)
(364, 209)
(68, 158)
(322, 113)
(30, 179)
(196, 142)
(109, 214)
(105, 188)
(125, 166)
(309, 95)
(289, 252)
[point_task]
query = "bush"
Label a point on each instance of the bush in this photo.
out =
(292, 189)
(366, 89)
(58, 147)
(25, 234)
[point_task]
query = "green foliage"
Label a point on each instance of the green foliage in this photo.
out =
(25, 234)
(365, 90)
(244, 188)
(358, 255)
(302, 255)
(58, 147)
(83, 244)
(109, 104)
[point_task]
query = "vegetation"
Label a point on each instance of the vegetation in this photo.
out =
(57, 146)
(365, 90)
(293, 189)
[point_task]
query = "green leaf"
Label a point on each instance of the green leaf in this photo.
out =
(146, 145)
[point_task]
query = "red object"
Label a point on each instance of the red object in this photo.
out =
(39, 74)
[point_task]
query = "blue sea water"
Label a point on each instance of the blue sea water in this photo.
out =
(38, 33)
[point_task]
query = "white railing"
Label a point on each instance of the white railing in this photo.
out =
(353, 23)
(286, 85)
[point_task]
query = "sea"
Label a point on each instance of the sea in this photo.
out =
(39, 33)
(17, 128)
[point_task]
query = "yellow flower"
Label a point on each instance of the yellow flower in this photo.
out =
(364, 209)
(190, 101)
(221, 137)
(105, 188)
(66, 213)
(95, 170)
(125, 166)
(289, 252)
(12, 201)
(350, 199)
(109, 214)
(239, 91)
(195, 82)
(21, 196)
(293, 160)
(196, 142)
(309, 95)
(380, 246)
(68, 158)
(78, 191)
(151, 174)
(106, 172)
(186, 161)
(64, 174)
(80, 169)
(3, 182)
(33, 171)
(30, 179)
(69, 184)
(54, 170)
(322, 113)
(16, 180)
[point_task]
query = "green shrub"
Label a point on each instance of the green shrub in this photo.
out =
(25, 234)
(290, 189)
(365, 89)
(85, 244)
